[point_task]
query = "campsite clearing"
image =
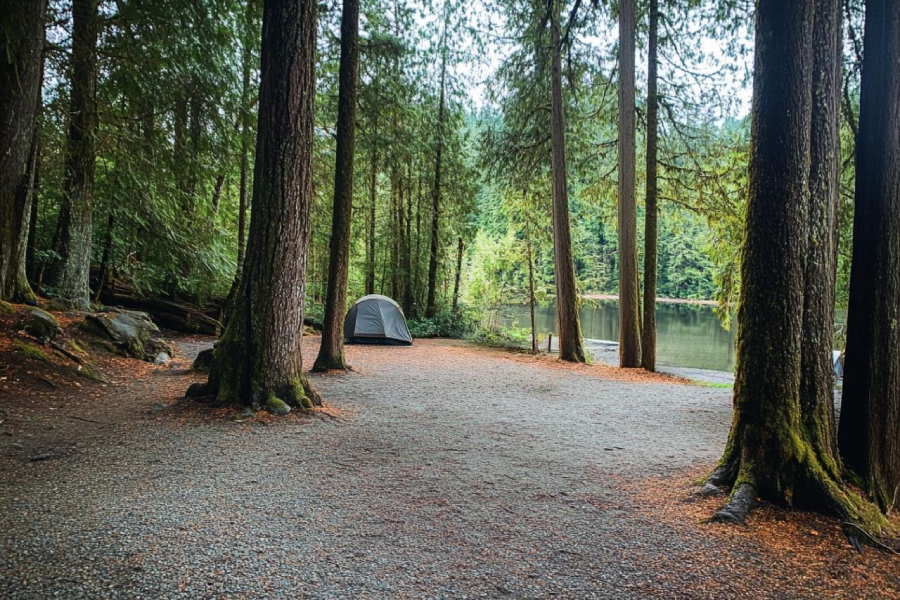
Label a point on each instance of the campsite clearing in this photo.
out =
(441, 469)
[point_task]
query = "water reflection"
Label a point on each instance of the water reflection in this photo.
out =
(687, 335)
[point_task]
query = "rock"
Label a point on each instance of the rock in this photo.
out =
(203, 361)
(131, 332)
(7, 309)
(162, 358)
(276, 406)
(60, 305)
(197, 390)
(40, 324)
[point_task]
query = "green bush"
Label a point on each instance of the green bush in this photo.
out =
(501, 337)
(446, 323)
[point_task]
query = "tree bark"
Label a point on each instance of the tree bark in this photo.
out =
(331, 351)
(629, 303)
(770, 454)
(568, 320)
(258, 360)
(22, 38)
(431, 303)
(71, 272)
(869, 434)
(459, 258)
(817, 371)
(648, 340)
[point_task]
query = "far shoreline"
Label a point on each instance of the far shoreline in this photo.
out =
(658, 300)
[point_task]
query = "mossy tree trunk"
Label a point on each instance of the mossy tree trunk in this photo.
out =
(869, 434)
(571, 347)
(771, 452)
(258, 360)
(69, 274)
(629, 293)
(22, 38)
(817, 371)
(648, 339)
(331, 352)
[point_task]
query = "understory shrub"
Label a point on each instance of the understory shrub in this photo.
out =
(446, 323)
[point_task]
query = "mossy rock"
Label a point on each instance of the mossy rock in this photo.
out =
(132, 333)
(40, 324)
(276, 406)
(7, 309)
(30, 351)
(60, 305)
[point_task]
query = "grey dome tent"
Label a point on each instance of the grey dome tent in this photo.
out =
(376, 319)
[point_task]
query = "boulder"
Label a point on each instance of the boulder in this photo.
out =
(162, 358)
(203, 361)
(40, 324)
(131, 332)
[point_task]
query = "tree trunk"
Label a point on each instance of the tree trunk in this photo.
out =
(408, 290)
(258, 360)
(245, 120)
(331, 352)
(869, 434)
(629, 304)
(770, 454)
(103, 276)
(20, 82)
(817, 371)
(569, 322)
(648, 341)
(70, 273)
(459, 258)
(31, 268)
(370, 241)
(531, 298)
(431, 303)
(416, 279)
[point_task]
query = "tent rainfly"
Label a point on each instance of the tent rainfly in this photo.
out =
(376, 319)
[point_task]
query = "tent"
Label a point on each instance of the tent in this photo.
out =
(376, 319)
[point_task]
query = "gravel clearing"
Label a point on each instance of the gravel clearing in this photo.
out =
(442, 470)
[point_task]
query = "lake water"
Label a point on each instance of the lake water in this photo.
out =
(687, 335)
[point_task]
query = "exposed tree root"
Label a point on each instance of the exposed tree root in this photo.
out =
(739, 505)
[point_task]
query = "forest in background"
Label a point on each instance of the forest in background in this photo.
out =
(177, 87)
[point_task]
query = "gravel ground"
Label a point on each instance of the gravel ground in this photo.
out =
(440, 470)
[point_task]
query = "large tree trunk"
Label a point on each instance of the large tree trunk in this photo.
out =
(258, 360)
(648, 341)
(629, 294)
(869, 433)
(331, 352)
(568, 320)
(770, 453)
(22, 40)
(431, 302)
(817, 371)
(71, 272)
